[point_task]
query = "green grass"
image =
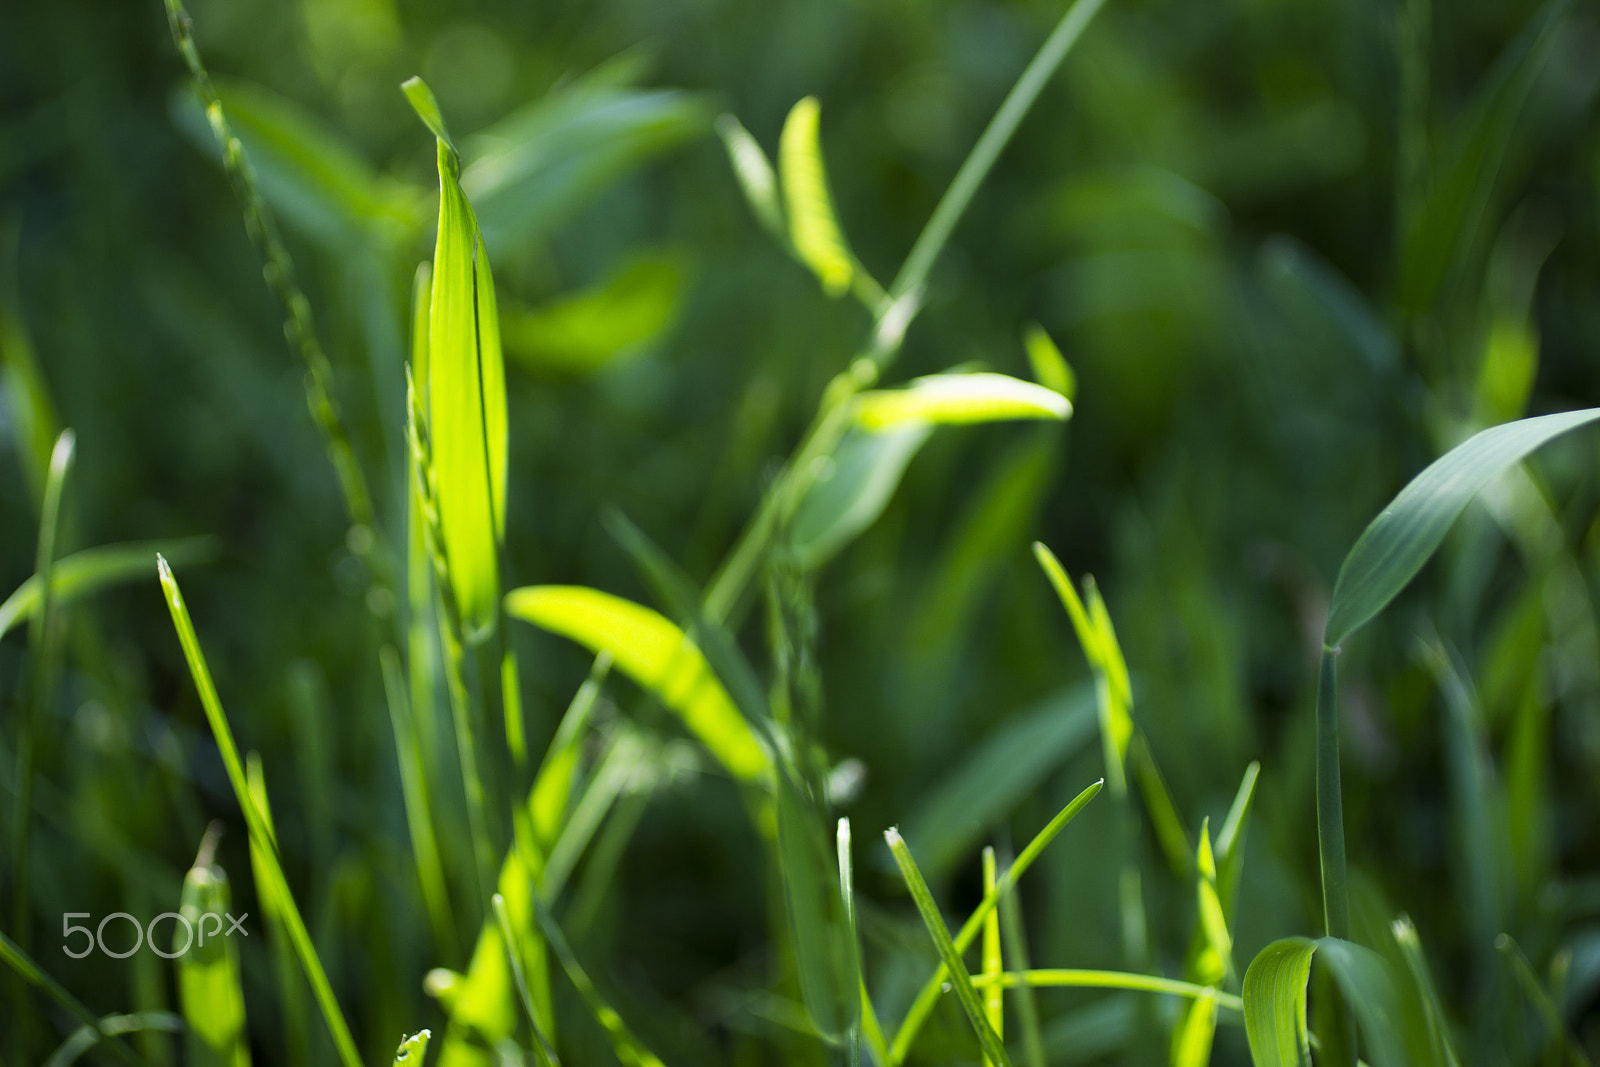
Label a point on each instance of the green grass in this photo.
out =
(626, 830)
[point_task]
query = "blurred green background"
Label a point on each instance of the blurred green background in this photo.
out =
(1292, 251)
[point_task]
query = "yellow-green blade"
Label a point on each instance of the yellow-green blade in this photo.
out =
(210, 992)
(959, 398)
(813, 229)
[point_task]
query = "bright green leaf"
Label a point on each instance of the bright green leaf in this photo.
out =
(1275, 1000)
(849, 495)
(959, 398)
(582, 332)
(655, 654)
(93, 569)
(812, 227)
(1050, 368)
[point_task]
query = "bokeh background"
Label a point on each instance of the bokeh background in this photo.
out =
(1292, 252)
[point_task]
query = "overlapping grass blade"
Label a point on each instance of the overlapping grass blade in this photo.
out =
(813, 229)
(465, 391)
(819, 926)
(951, 399)
(928, 995)
(1405, 935)
(757, 180)
(655, 654)
(994, 1052)
(31, 975)
(87, 1037)
(260, 832)
(88, 571)
(541, 1044)
(552, 786)
(993, 964)
(1015, 942)
(1274, 1000)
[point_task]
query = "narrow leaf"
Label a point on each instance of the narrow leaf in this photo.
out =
(818, 925)
(1050, 368)
(1275, 1003)
(812, 226)
(852, 490)
(959, 398)
(756, 179)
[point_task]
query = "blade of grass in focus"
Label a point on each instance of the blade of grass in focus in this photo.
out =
(260, 832)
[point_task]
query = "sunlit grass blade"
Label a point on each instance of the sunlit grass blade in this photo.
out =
(655, 654)
(866, 468)
(541, 1044)
(210, 991)
(867, 1026)
(465, 392)
(994, 1052)
(1231, 839)
(1191, 1041)
(628, 1048)
(1159, 806)
(819, 927)
(1015, 941)
(959, 398)
(813, 229)
(413, 1050)
(993, 964)
(1405, 935)
(552, 786)
(419, 808)
(1534, 990)
(30, 975)
(93, 569)
(285, 967)
(756, 178)
(260, 832)
(928, 995)
(86, 1037)
(482, 1004)
(1275, 1000)
(1050, 367)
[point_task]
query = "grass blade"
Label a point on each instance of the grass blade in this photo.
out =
(1016, 947)
(813, 229)
(1405, 935)
(629, 1049)
(928, 995)
(655, 654)
(93, 569)
(210, 992)
(993, 964)
(1191, 1042)
(541, 1044)
(1540, 999)
(29, 973)
(1275, 1003)
(260, 833)
(1070, 978)
(866, 470)
(1050, 367)
(86, 1037)
(819, 927)
(994, 1052)
(413, 1050)
(951, 399)
(756, 178)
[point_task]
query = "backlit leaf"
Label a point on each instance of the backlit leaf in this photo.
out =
(812, 227)
(959, 398)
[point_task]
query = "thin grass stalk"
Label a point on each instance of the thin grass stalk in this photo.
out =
(1015, 943)
(43, 649)
(508, 938)
(260, 831)
(278, 269)
(1330, 806)
(1541, 1001)
(993, 964)
(1064, 978)
(31, 975)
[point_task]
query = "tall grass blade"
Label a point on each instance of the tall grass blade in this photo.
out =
(865, 470)
(993, 964)
(466, 392)
(655, 654)
(1541, 1001)
(994, 1052)
(1015, 942)
(552, 785)
(210, 992)
(928, 995)
(1191, 1042)
(541, 1044)
(959, 398)
(29, 973)
(1231, 839)
(813, 229)
(286, 970)
(260, 832)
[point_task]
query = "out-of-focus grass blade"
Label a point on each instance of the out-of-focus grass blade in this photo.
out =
(93, 569)
(31, 974)
(33, 414)
(419, 809)
(1405, 534)
(1016, 949)
(1162, 811)
(813, 229)
(972, 798)
(1231, 839)
(1275, 1003)
(482, 1004)
(1213, 922)
(866, 469)
(867, 1026)
(1050, 367)
(1405, 935)
(541, 1044)
(582, 332)
(1275, 1000)
(628, 1048)
(552, 786)
(819, 928)
(959, 398)
(465, 391)
(1540, 999)
(994, 1052)
(1191, 1041)
(917, 1014)
(413, 1050)
(291, 990)
(209, 989)
(754, 171)
(260, 831)
(993, 964)
(1329, 303)
(86, 1037)
(655, 654)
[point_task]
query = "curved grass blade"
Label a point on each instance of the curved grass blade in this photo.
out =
(1405, 935)
(541, 1044)
(1050, 367)
(959, 398)
(87, 1037)
(1275, 1000)
(819, 925)
(917, 1014)
(1405, 534)
(93, 569)
(994, 1051)
(754, 171)
(813, 229)
(655, 654)
(30, 974)
(260, 831)
(465, 391)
